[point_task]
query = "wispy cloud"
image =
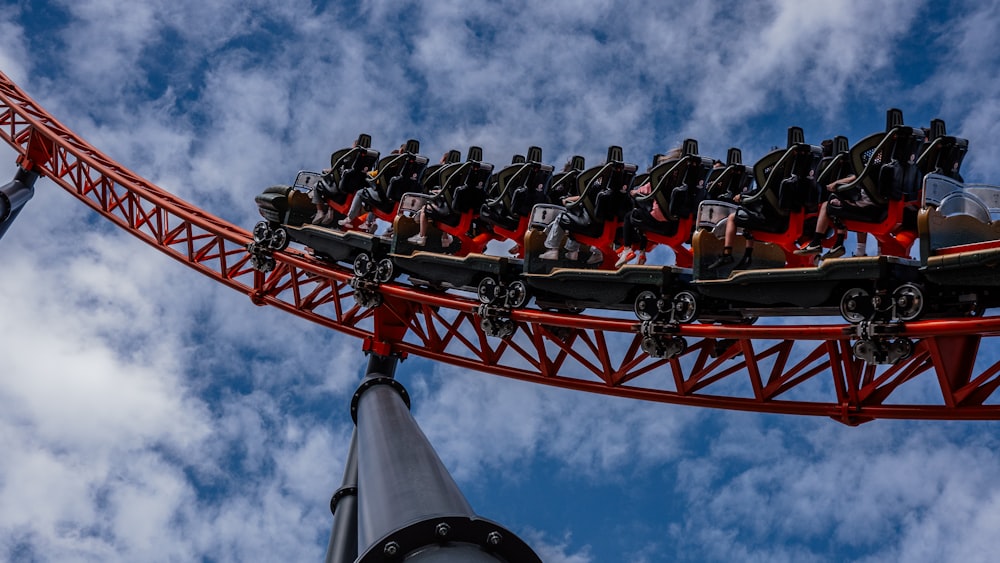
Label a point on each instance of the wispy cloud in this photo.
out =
(146, 414)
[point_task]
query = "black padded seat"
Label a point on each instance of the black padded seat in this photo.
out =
(496, 209)
(678, 186)
(733, 179)
(397, 174)
(943, 154)
(890, 167)
(836, 163)
(603, 196)
(350, 172)
(888, 172)
(786, 182)
(432, 174)
(514, 198)
(525, 196)
(564, 183)
(463, 189)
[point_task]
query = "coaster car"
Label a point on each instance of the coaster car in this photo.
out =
(891, 167)
(398, 174)
(287, 209)
(519, 187)
(573, 285)
(677, 187)
(594, 217)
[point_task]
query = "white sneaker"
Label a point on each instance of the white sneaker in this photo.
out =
(417, 240)
(552, 254)
(624, 258)
(346, 222)
(835, 252)
(446, 240)
(809, 249)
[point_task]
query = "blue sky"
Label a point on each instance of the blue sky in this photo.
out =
(147, 414)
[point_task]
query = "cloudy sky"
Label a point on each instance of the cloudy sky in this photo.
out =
(147, 414)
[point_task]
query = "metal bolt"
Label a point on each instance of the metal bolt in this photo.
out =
(442, 529)
(494, 538)
(391, 548)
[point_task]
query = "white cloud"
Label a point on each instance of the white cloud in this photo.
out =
(872, 491)
(147, 414)
(13, 52)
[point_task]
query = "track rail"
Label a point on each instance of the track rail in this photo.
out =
(804, 370)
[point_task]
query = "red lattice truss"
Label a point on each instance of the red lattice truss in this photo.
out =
(806, 370)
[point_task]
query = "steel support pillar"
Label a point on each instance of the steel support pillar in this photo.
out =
(343, 547)
(13, 196)
(408, 505)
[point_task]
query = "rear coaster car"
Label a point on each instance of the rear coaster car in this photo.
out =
(287, 210)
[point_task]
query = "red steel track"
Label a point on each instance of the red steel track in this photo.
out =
(805, 370)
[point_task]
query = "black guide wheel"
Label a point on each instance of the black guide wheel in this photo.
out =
(279, 239)
(856, 305)
(384, 271)
(261, 232)
(267, 264)
(685, 307)
(368, 299)
(901, 348)
(909, 301)
(488, 291)
(363, 265)
(496, 327)
(517, 294)
(646, 308)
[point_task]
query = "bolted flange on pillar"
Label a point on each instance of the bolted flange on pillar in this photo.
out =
(409, 506)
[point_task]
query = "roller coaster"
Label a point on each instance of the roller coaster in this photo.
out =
(783, 330)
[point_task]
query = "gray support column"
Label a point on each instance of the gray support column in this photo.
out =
(403, 480)
(343, 547)
(408, 504)
(13, 196)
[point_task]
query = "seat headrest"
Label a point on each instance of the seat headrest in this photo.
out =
(795, 136)
(615, 154)
(937, 129)
(690, 146)
(893, 118)
(534, 154)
